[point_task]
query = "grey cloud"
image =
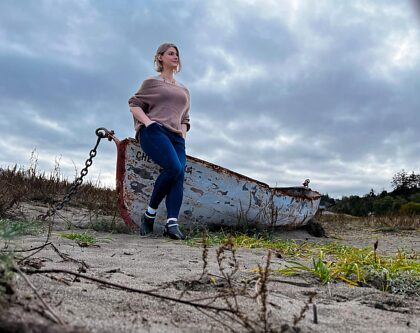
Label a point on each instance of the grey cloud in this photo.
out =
(76, 64)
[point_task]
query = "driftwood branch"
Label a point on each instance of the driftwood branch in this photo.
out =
(130, 289)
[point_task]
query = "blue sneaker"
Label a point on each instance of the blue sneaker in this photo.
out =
(147, 222)
(172, 231)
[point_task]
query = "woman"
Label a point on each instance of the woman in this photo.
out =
(161, 118)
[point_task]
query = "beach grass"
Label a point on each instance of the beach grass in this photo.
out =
(331, 261)
(19, 185)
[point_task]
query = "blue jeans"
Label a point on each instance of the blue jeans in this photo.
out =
(167, 149)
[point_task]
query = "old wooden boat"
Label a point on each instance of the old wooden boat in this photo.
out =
(213, 195)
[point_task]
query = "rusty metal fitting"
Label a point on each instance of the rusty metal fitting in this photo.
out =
(102, 132)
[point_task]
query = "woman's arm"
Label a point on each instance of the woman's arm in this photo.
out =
(139, 114)
(184, 129)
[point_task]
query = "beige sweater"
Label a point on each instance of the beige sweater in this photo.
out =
(165, 103)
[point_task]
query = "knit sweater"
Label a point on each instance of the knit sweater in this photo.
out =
(165, 103)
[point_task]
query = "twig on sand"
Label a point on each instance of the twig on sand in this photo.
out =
(293, 283)
(57, 319)
(315, 313)
(122, 287)
(63, 256)
(41, 247)
(66, 257)
(27, 250)
(262, 292)
(297, 319)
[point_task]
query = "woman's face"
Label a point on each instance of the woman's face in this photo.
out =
(169, 59)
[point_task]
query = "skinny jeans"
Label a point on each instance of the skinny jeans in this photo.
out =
(167, 149)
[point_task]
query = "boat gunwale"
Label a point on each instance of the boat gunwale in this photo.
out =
(283, 190)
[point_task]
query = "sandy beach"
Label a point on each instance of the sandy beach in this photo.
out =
(175, 269)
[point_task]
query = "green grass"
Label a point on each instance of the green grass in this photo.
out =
(9, 229)
(399, 273)
(287, 247)
(83, 239)
(319, 268)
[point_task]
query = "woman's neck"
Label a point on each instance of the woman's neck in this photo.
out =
(167, 75)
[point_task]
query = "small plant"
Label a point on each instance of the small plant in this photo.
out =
(396, 274)
(6, 274)
(404, 283)
(9, 229)
(320, 269)
(83, 239)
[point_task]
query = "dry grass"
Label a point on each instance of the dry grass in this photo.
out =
(19, 185)
(380, 223)
(394, 222)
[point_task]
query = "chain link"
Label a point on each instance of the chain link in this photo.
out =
(101, 133)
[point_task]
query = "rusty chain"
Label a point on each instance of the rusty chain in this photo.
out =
(101, 133)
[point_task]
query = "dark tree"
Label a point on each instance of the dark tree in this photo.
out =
(405, 183)
(327, 201)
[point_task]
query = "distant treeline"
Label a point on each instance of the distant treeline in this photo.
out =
(404, 199)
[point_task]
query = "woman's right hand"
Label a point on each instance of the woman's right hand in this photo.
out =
(139, 114)
(149, 123)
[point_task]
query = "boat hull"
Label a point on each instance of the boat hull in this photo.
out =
(213, 195)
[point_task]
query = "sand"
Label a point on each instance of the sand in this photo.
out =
(173, 268)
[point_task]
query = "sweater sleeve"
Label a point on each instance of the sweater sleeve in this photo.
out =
(142, 97)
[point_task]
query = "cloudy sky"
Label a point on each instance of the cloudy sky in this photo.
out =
(280, 90)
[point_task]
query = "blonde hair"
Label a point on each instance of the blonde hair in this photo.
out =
(160, 51)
